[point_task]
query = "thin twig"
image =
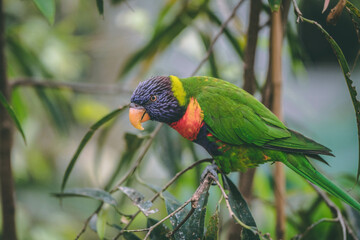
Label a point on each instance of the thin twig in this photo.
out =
(83, 229)
(167, 217)
(308, 229)
(213, 41)
(203, 187)
(177, 175)
(232, 214)
(336, 212)
(76, 87)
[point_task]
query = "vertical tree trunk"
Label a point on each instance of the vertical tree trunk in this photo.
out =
(246, 179)
(6, 178)
(276, 78)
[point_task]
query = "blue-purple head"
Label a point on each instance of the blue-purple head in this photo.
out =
(153, 99)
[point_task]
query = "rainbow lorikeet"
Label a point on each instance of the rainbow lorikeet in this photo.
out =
(237, 130)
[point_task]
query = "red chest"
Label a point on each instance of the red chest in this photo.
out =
(189, 125)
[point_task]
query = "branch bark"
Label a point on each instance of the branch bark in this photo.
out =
(6, 139)
(276, 35)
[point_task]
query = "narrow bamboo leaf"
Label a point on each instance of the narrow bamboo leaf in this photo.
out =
(346, 72)
(161, 17)
(12, 114)
(163, 37)
(93, 193)
(127, 235)
(133, 143)
(138, 200)
(212, 227)
(352, 9)
(296, 50)
(326, 4)
(28, 61)
(52, 108)
(274, 5)
(232, 39)
(170, 148)
(355, 18)
(100, 6)
(101, 223)
(212, 59)
(241, 209)
(47, 8)
(160, 232)
(85, 140)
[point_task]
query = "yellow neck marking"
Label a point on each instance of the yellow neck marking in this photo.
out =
(178, 90)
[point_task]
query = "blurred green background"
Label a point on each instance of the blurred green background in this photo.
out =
(83, 47)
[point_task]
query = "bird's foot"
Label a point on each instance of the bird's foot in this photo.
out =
(210, 169)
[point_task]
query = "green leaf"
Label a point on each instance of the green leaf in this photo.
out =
(212, 59)
(127, 235)
(193, 228)
(12, 114)
(159, 233)
(138, 199)
(47, 8)
(171, 205)
(163, 36)
(170, 148)
(274, 5)
(100, 6)
(241, 210)
(346, 72)
(93, 193)
(101, 223)
(85, 140)
(212, 227)
(196, 223)
(57, 106)
(352, 9)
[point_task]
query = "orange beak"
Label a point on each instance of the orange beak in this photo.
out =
(138, 115)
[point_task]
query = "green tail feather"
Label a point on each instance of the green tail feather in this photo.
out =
(301, 165)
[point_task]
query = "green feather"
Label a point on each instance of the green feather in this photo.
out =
(250, 134)
(300, 164)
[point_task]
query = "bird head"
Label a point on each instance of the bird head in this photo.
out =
(154, 99)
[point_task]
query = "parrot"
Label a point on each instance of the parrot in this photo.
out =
(237, 130)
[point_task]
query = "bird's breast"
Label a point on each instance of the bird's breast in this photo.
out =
(190, 124)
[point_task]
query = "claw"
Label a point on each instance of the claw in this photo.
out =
(211, 169)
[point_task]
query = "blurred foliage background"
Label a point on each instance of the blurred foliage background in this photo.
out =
(98, 59)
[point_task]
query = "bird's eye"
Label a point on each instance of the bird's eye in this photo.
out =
(153, 98)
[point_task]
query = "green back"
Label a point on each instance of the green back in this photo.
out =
(236, 117)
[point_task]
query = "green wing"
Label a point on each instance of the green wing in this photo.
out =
(236, 117)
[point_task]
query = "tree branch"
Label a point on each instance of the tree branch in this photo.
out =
(276, 35)
(6, 141)
(76, 87)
